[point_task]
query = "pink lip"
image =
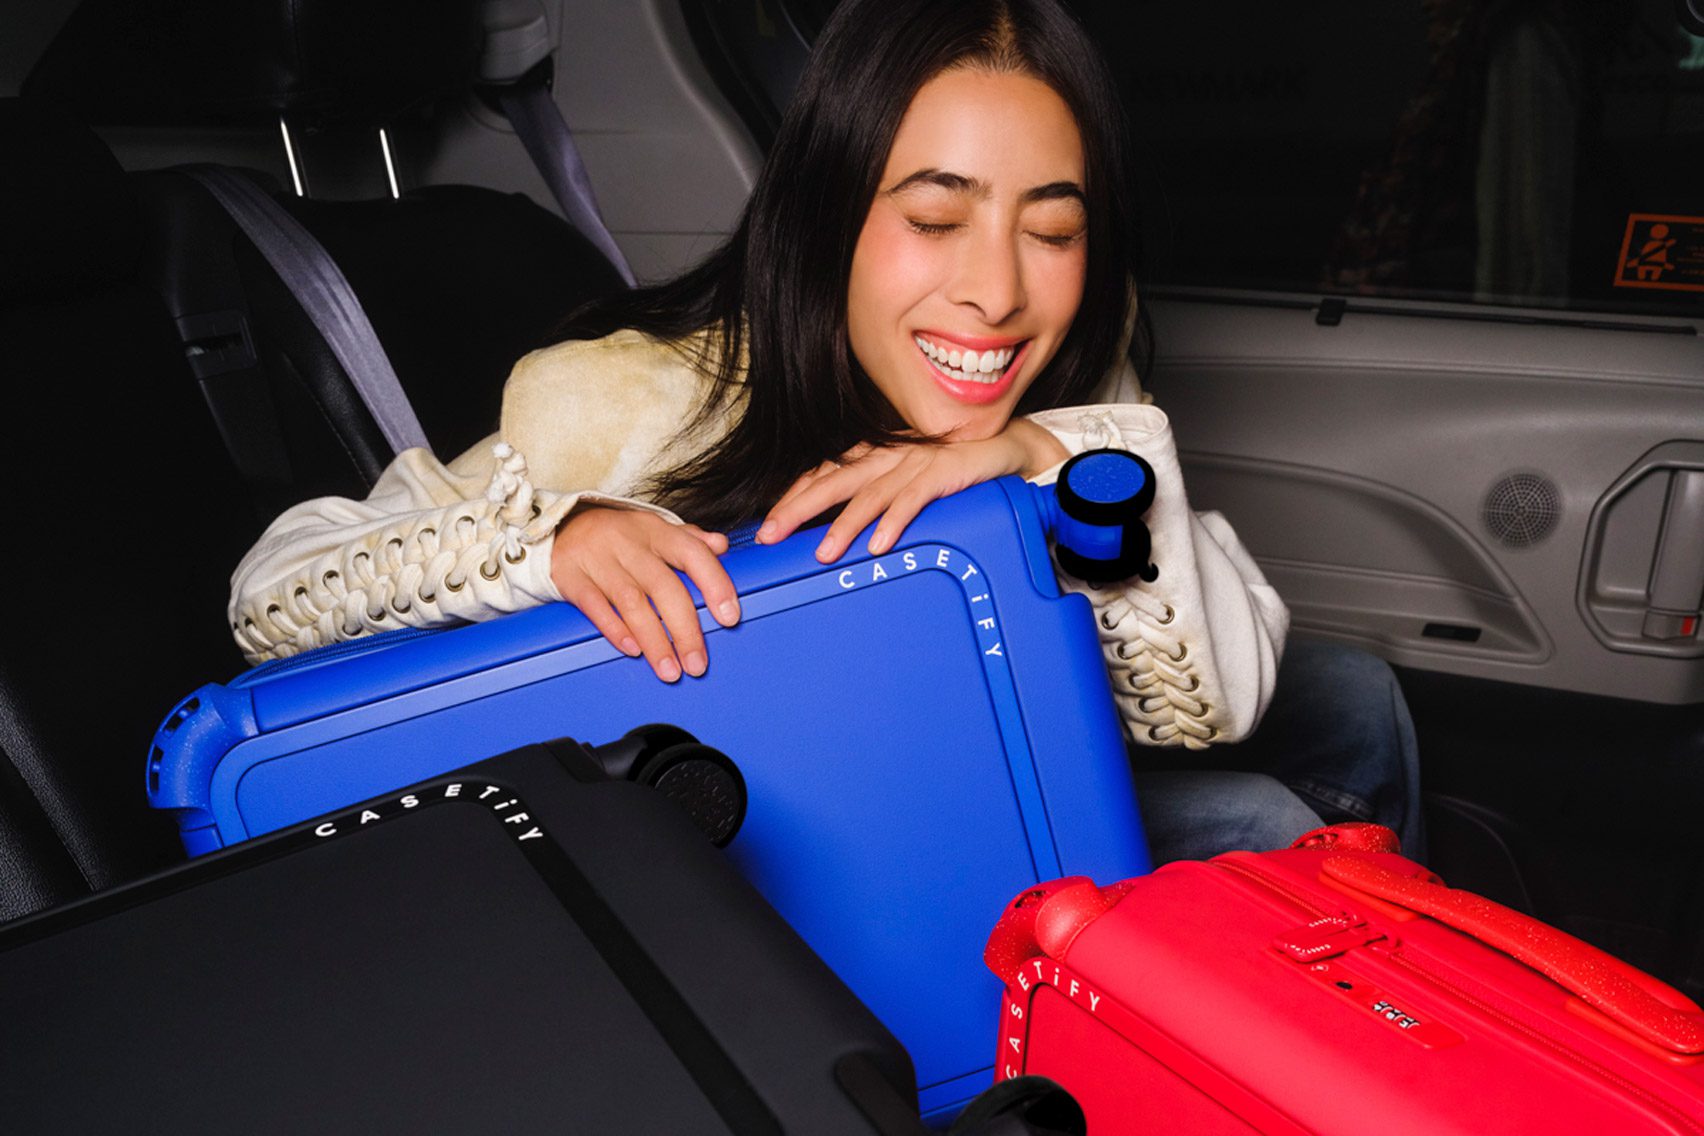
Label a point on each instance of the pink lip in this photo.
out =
(976, 394)
(974, 342)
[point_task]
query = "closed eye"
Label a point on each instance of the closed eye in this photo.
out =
(1058, 240)
(931, 229)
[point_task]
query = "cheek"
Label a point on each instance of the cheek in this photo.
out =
(893, 270)
(1061, 290)
(1056, 293)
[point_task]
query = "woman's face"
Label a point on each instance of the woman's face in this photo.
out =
(969, 268)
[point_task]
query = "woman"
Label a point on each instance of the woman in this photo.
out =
(935, 261)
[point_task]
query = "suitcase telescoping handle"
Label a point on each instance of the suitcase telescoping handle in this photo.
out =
(1095, 514)
(1653, 1011)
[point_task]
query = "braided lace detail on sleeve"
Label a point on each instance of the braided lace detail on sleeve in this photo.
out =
(1154, 679)
(410, 573)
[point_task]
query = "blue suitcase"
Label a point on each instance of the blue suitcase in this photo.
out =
(922, 734)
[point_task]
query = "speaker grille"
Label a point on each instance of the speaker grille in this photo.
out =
(1522, 509)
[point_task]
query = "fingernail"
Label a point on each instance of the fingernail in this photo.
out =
(825, 552)
(728, 612)
(668, 670)
(766, 531)
(695, 663)
(629, 647)
(879, 543)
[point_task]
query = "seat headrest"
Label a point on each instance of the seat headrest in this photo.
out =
(68, 219)
(223, 63)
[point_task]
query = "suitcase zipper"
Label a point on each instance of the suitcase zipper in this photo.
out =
(1273, 884)
(1300, 899)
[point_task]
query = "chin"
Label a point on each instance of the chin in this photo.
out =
(978, 429)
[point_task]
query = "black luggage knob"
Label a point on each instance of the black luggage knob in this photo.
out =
(1100, 534)
(703, 781)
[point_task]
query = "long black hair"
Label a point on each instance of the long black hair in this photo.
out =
(773, 297)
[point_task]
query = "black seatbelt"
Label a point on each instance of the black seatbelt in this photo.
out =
(316, 282)
(516, 68)
(539, 123)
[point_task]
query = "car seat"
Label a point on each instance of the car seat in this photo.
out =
(125, 518)
(457, 281)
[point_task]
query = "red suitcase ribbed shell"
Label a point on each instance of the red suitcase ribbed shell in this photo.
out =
(1335, 987)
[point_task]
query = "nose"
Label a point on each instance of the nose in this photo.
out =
(989, 277)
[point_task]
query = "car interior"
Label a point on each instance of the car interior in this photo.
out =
(1413, 321)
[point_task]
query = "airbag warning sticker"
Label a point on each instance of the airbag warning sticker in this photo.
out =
(1662, 251)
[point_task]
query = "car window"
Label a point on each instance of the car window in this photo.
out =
(1538, 153)
(1532, 152)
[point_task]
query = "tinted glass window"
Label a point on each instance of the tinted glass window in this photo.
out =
(1537, 152)
(1543, 153)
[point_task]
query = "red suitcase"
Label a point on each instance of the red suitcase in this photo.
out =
(1334, 987)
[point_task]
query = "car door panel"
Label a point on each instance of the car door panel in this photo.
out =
(1356, 460)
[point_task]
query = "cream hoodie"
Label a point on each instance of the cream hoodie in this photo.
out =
(1192, 655)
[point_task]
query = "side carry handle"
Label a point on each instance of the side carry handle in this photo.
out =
(1651, 1010)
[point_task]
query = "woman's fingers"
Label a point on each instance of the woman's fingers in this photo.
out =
(716, 542)
(679, 617)
(592, 604)
(903, 509)
(826, 486)
(698, 558)
(632, 602)
(619, 568)
(785, 515)
(870, 502)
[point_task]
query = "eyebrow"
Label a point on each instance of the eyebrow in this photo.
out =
(975, 187)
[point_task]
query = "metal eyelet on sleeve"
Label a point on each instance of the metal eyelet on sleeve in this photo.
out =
(1171, 614)
(518, 557)
(496, 570)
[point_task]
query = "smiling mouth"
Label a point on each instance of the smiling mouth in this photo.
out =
(962, 365)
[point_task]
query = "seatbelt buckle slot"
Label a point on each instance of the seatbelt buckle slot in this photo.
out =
(216, 343)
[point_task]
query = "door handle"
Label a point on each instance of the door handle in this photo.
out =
(1677, 575)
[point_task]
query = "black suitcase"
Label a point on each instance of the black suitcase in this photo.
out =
(525, 945)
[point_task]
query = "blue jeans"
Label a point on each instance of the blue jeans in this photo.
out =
(1336, 744)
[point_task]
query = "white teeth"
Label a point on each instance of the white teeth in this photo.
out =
(967, 366)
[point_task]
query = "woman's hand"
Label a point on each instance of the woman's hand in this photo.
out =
(895, 482)
(618, 567)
